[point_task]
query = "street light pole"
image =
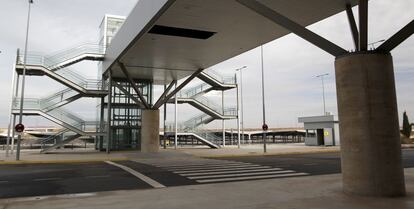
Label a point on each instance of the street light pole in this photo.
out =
(323, 90)
(238, 111)
(376, 42)
(241, 100)
(263, 100)
(23, 81)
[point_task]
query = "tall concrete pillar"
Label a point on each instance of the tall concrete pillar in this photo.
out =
(369, 128)
(150, 129)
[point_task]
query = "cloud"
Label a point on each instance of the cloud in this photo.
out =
(291, 64)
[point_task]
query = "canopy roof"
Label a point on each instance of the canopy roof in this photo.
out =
(165, 39)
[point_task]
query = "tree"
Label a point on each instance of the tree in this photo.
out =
(406, 129)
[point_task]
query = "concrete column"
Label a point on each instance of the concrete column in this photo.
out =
(150, 130)
(369, 128)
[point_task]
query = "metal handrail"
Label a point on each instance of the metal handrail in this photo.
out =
(53, 61)
(222, 78)
(190, 92)
(52, 137)
(78, 79)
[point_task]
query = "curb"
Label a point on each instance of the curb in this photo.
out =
(266, 154)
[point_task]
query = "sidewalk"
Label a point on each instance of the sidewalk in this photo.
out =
(257, 150)
(313, 192)
(87, 155)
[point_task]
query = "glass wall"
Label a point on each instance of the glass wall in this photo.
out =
(126, 115)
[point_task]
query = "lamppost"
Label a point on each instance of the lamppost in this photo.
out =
(323, 90)
(264, 126)
(241, 100)
(23, 81)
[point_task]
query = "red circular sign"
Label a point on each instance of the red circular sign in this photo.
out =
(265, 127)
(19, 128)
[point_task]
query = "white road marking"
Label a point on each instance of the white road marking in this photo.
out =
(231, 171)
(1, 182)
(141, 176)
(214, 167)
(220, 169)
(241, 174)
(195, 162)
(203, 164)
(47, 179)
(311, 164)
(102, 176)
(250, 177)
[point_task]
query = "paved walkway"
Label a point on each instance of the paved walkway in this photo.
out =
(257, 149)
(315, 192)
(79, 155)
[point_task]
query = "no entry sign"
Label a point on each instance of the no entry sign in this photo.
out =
(19, 128)
(265, 127)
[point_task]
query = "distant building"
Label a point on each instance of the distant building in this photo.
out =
(321, 130)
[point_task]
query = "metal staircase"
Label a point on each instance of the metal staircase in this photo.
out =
(60, 116)
(60, 143)
(194, 96)
(69, 78)
(207, 106)
(50, 107)
(64, 58)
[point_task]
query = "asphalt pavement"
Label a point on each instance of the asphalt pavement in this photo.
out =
(27, 180)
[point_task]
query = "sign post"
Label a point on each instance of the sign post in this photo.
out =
(264, 128)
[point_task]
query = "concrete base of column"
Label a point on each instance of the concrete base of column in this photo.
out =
(369, 128)
(150, 129)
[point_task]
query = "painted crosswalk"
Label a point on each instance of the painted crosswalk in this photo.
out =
(215, 171)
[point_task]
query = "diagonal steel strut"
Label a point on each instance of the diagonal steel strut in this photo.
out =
(294, 27)
(134, 86)
(397, 38)
(162, 100)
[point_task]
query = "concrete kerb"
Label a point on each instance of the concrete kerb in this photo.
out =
(267, 154)
(130, 155)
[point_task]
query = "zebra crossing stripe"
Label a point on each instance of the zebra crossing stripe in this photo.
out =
(220, 169)
(182, 164)
(230, 171)
(205, 165)
(213, 167)
(240, 174)
(250, 177)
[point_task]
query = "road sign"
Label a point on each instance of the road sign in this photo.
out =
(265, 127)
(19, 128)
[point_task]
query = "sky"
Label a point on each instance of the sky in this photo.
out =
(290, 63)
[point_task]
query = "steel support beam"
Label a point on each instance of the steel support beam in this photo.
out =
(363, 25)
(195, 74)
(294, 27)
(353, 25)
(162, 100)
(134, 86)
(109, 114)
(397, 38)
(121, 88)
